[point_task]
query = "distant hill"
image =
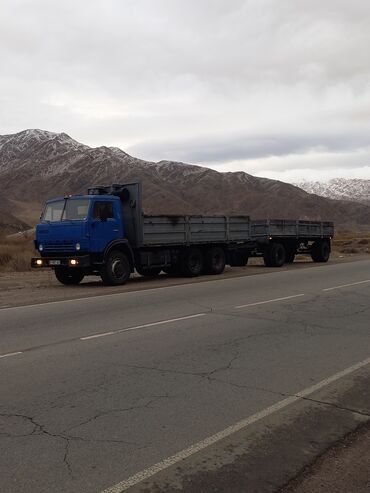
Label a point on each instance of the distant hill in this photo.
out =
(37, 164)
(340, 189)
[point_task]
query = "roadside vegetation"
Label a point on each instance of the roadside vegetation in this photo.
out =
(349, 242)
(15, 254)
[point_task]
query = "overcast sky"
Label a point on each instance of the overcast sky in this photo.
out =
(276, 88)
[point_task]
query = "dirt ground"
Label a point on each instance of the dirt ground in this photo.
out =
(345, 468)
(40, 286)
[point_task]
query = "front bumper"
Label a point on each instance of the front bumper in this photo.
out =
(73, 262)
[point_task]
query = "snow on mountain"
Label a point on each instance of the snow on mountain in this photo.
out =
(340, 189)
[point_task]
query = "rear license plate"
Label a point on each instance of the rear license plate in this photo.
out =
(54, 262)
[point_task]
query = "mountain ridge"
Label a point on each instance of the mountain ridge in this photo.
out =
(351, 189)
(38, 164)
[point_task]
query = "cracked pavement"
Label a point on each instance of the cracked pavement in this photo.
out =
(80, 416)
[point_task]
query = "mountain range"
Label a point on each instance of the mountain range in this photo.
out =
(38, 164)
(340, 188)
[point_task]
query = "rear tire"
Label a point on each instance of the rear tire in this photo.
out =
(116, 270)
(215, 261)
(274, 255)
(69, 276)
(192, 262)
(320, 251)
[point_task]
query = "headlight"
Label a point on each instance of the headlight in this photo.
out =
(78, 246)
(41, 247)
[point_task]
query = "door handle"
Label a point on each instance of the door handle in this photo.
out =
(116, 230)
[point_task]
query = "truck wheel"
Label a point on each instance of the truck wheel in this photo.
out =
(215, 261)
(192, 262)
(69, 276)
(274, 255)
(116, 269)
(149, 271)
(320, 251)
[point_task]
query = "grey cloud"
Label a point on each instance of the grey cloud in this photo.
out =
(243, 147)
(200, 81)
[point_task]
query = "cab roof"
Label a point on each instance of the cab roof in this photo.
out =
(88, 197)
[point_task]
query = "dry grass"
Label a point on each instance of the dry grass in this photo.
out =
(15, 254)
(350, 242)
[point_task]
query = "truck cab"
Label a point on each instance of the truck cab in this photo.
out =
(74, 233)
(79, 224)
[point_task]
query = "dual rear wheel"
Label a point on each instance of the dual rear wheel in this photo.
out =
(194, 261)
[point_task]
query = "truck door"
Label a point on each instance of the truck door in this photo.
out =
(106, 224)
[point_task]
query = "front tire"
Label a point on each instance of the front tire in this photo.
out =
(116, 270)
(69, 276)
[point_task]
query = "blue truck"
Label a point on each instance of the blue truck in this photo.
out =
(105, 233)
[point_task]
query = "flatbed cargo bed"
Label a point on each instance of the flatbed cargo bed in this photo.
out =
(286, 228)
(185, 230)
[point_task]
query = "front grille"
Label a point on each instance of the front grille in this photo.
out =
(59, 247)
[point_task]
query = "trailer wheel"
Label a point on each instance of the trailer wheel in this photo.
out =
(192, 262)
(69, 276)
(149, 271)
(320, 251)
(274, 255)
(215, 261)
(116, 269)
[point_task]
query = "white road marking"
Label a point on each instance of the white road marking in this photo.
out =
(96, 336)
(269, 301)
(203, 444)
(11, 354)
(152, 324)
(347, 285)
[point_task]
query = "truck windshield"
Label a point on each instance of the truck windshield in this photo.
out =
(66, 210)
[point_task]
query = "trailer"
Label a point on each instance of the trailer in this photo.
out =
(280, 240)
(106, 233)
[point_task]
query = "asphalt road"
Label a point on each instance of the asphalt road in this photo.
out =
(228, 385)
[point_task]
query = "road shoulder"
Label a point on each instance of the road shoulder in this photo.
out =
(343, 468)
(265, 457)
